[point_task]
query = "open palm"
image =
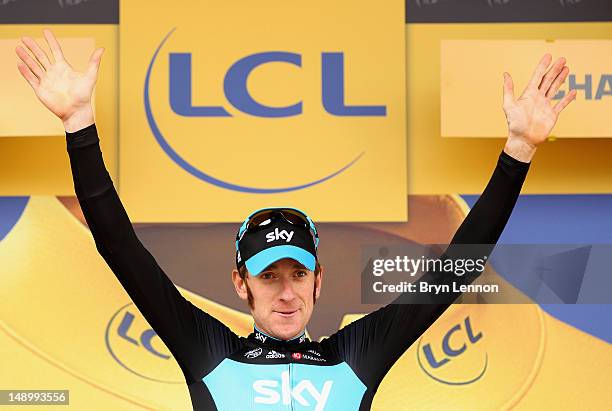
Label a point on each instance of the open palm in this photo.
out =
(63, 90)
(532, 116)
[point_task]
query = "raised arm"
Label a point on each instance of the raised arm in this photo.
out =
(195, 339)
(372, 344)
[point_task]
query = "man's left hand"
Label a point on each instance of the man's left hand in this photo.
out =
(532, 116)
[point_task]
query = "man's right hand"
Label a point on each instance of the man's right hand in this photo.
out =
(63, 90)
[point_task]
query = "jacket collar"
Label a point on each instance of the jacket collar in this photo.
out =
(259, 337)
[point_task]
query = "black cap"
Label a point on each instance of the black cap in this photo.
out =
(279, 239)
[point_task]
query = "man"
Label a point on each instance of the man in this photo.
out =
(277, 270)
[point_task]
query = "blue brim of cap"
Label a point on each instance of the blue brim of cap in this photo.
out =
(264, 258)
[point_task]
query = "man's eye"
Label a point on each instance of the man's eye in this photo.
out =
(301, 274)
(266, 276)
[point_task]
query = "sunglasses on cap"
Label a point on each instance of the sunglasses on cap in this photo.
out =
(263, 217)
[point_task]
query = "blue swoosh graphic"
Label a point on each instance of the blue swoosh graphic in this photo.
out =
(181, 162)
(11, 209)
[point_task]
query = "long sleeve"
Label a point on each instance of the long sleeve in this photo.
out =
(488, 217)
(372, 344)
(196, 340)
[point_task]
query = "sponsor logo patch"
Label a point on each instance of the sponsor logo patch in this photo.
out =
(260, 337)
(254, 353)
(302, 392)
(279, 235)
(311, 358)
(275, 354)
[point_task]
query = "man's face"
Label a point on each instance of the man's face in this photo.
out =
(282, 297)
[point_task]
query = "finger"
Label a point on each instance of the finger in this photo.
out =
(539, 71)
(29, 61)
(94, 63)
(53, 45)
(559, 80)
(508, 90)
(565, 101)
(28, 75)
(39, 53)
(552, 74)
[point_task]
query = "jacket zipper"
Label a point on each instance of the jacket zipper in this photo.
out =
(290, 387)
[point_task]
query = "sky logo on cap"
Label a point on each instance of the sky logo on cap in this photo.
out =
(279, 235)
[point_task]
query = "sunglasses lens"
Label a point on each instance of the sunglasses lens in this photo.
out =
(263, 218)
(295, 218)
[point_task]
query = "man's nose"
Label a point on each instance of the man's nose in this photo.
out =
(287, 292)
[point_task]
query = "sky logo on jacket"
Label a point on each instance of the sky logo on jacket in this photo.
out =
(270, 393)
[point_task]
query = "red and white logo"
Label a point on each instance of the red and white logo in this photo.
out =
(296, 356)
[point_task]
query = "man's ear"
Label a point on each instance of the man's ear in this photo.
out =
(318, 281)
(239, 285)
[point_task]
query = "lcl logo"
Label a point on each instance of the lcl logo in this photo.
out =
(237, 94)
(137, 348)
(143, 340)
(465, 338)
